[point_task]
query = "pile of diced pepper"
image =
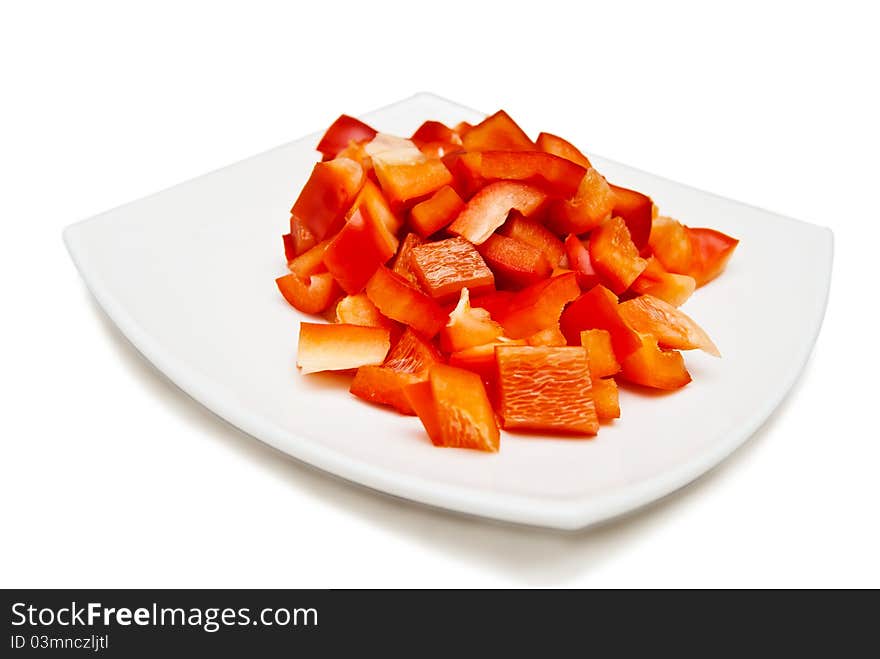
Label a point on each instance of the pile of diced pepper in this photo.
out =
(476, 278)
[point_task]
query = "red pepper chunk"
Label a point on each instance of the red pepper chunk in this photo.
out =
(403, 182)
(384, 386)
(412, 354)
(539, 306)
(614, 255)
(356, 251)
(341, 133)
(580, 263)
(399, 300)
(488, 209)
(455, 409)
(591, 204)
(402, 264)
(597, 309)
(600, 353)
(327, 196)
(515, 263)
(535, 234)
(712, 251)
(606, 398)
(496, 132)
(434, 131)
(671, 327)
(312, 294)
(546, 388)
(326, 347)
(637, 210)
(556, 176)
(435, 213)
(554, 144)
(668, 286)
(445, 267)
(650, 366)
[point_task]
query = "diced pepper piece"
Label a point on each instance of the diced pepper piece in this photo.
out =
(326, 347)
(488, 209)
(385, 386)
(591, 204)
(445, 267)
(468, 327)
(359, 310)
(327, 196)
(289, 247)
(435, 213)
(671, 245)
(481, 359)
(313, 294)
(579, 261)
(712, 250)
(668, 286)
(357, 151)
(539, 306)
(371, 198)
(300, 238)
(457, 413)
(461, 128)
(614, 255)
(600, 353)
(399, 300)
(342, 132)
(598, 309)
(637, 210)
(545, 388)
(606, 399)
(434, 131)
(495, 132)
(556, 176)
(412, 354)
(651, 367)
(402, 264)
(392, 150)
(439, 149)
(550, 143)
(671, 327)
(535, 234)
(550, 336)
(310, 261)
(354, 254)
(515, 263)
(420, 396)
(497, 303)
(400, 183)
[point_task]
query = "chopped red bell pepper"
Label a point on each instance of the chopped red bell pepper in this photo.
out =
(300, 237)
(606, 398)
(359, 310)
(668, 286)
(402, 264)
(671, 245)
(289, 247)
(600, 353)
(550, 143)
(579, 261)
(650, 366)
(535, 234)
(671, 327)
(598, 309)
(371, 198)
(327, 196)
(591, 204)
(385, 386)
(545, 388)
(455, 409)
(712, 250)
(550, 336)
(413, 354)
(313, 294)
(614, 255)
(401, 183)
(497, 132)
(468, 327)
(342, 132)
(539, 306)
(556, 176)
(435, 213)
(445, 267)
(481, 359)
(434, 131)
(515, 263)
(488, 209)
(637, 210)
(497, 303)
(399, 300)
(326, 347)
(354, 254)
(310, 262)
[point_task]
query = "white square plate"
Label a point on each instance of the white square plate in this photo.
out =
(188, 276)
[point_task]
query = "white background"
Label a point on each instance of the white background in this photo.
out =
(111, 477)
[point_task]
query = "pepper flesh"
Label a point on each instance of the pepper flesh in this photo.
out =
(488, 209)
(515, 263)
(651, 367)
(598, 309)
(327, 196)
(535, 234)
(558, 146)
(445, 267)
(326, 347)
(435, 213)
(672, 328)
(341, 133)
(399, 300)
(497, 131)
(614, 255)
(356, 251)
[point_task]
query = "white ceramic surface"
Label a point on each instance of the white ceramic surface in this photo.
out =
(188, 276)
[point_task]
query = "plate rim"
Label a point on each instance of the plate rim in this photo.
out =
(569, 515)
